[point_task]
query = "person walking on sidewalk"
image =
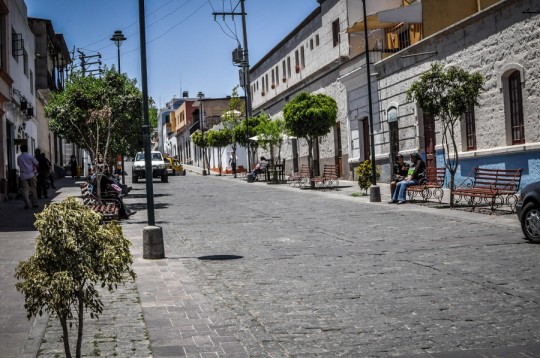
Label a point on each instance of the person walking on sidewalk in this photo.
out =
(27, 163)
(42, 174)
(73, 166)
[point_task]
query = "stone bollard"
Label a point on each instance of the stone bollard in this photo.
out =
(250, 178)
(153, 243)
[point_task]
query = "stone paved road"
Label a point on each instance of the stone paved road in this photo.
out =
(326, 275)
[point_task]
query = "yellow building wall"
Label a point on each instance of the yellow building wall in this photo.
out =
(487, 3)
(439, 14)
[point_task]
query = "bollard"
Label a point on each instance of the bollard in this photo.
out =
(374, 194)
(153, 243)
(249, 178)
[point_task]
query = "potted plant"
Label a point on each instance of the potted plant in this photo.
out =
(273, 85)
(297, 68)
(284, 79)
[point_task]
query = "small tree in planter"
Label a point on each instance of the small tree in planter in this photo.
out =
(74, 253)
(219, 139)
(364, 174)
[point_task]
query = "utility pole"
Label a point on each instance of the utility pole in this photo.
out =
(84, 62)
(244, 63)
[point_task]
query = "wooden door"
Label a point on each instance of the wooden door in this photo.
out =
(429, 141)
(337, 148)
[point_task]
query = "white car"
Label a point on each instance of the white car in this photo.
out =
(158, 167)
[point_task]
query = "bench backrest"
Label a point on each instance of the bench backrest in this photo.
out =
(506, 180)
(304, 170)
(435, 176)
(330, 170)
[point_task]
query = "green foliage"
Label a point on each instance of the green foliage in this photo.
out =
(200, 139)
(72, 113)
(241, 130)
(74, 253)
(363, 171)
(446, 94)
(218, 139)
(310, 116)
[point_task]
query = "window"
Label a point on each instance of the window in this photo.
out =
(262, 84)
(296, 59)
(25, 62)
(311, 44)
(277, 75)
(14, 44)
(266, 88)
(316, 40)
(284, 70)
(470, 129)
(335, 32)
(302, 57)
(31, 82)
(288, 67)
(516, 108)
(273, 79)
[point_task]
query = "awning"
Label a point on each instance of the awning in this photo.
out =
(388, 18)
(372, 22)
(283, 137)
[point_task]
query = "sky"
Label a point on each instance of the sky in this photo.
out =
(187, 49)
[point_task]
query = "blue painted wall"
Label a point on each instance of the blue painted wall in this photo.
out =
(528, 161)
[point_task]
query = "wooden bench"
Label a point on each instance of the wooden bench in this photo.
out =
(431, 186)
(329, 177)
(108, 207)
(495, 187)
(299, 178)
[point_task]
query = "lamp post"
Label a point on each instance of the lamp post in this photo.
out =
(374, 190)
(153, 247)
(118, 38)
(200, 95)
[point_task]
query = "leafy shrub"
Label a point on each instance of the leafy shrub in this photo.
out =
(74, 254)
(364, 174)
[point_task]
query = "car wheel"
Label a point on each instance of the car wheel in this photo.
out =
(134, 178)
(530, 222)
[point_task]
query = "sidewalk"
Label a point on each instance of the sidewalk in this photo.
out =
(136, 317)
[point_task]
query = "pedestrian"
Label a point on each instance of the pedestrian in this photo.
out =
(73, 166)
(232, 163)
(401, 169)
(27, 164)
(51, 171)
(42, 174)
(415, 174)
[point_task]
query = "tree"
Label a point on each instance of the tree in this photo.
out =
(74, 254)
(242, 139)
(219, 139)
(310, 116)
(200, 139)
(232, 119)
(447, 95)
(99, 114)
(271, 134)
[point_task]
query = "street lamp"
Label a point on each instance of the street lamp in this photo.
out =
(200, 95)
(374, 190)
(118, 38)
(153, 247)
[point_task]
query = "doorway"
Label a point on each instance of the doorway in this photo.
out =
(429, 141)
(367, 147)
(394, 141)
(338, 149)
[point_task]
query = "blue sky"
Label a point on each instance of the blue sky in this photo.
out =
(187, 50)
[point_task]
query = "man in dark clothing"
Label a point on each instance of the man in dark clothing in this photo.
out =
(43, 174)
(415, 174)
(401, 170)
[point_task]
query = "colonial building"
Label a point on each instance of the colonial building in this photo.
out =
(52, 59)
(501, 42)
(19, 120)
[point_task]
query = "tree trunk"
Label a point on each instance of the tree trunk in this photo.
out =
(310, 161)
(81, 320)
(452, 180)
(65, 335)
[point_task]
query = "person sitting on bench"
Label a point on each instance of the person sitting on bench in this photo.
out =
(259, 168)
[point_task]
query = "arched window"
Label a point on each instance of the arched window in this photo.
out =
(516, 108)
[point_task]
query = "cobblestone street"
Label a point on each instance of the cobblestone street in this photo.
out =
(301, 273)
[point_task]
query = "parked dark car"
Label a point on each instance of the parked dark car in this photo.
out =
(528, 211)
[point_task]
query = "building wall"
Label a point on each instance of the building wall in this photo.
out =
(494, 41)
